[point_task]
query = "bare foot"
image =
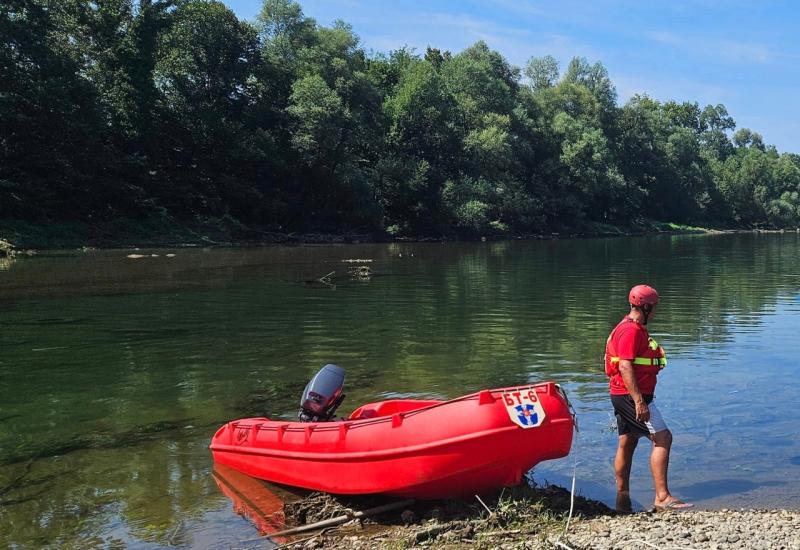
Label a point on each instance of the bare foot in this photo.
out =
(623, 504)
(671, 503)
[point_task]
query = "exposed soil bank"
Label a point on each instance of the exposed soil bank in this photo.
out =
(519, 514)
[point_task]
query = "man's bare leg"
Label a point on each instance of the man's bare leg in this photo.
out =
(659, 465)
(622, 470)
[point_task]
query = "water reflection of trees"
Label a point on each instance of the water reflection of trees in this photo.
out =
(98, 497)
(463, 317)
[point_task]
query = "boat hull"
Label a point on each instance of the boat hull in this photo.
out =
(424, 450)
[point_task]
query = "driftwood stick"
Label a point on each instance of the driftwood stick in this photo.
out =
(338, 520)
(301, 541)
(484, 505)
(502, 533)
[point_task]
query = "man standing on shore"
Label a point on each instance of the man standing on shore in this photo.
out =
(633, 361)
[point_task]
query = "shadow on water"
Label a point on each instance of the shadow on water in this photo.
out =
(720, 487)
(46, 322)
(584, 487)
(128, 438)
(795, 460)
(23, 480)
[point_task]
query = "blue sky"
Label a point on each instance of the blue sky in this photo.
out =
(745, 55)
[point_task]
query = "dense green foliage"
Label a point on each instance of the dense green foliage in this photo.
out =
(176, 108)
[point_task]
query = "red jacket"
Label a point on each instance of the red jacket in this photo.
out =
(630, 340)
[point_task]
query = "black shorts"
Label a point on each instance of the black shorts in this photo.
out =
(625, 411)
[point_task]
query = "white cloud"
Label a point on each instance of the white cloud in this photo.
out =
(469, 24)
(455, 32)
(747, 52)
(665, 37)
(667, 88)
(731, 51)
(386, 43)
(520, 6)
(446, 31)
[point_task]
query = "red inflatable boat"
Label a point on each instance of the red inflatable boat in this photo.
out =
(408, 448)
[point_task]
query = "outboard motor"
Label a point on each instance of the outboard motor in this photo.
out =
(322, 395)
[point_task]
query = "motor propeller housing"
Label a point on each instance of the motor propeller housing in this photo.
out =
(323, 395)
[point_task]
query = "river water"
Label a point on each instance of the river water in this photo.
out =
(115, 372)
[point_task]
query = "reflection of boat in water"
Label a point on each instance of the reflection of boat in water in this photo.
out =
(403, 447)
(254, 499)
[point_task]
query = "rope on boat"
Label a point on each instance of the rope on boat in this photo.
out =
(558, 542)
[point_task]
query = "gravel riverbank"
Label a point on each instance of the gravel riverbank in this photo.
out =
(536, 521)
(700, 529)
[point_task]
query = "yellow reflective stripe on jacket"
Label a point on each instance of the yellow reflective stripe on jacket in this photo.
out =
(660, 361)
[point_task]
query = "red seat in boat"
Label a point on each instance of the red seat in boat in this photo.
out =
(388, 408)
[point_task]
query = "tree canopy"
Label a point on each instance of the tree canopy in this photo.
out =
(138, 108)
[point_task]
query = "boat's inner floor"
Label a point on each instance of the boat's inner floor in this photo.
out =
(388, 408)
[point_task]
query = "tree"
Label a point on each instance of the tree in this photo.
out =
(205, 63)
(468, 202)
(595, 79)
(386, 71)
(423, 143)
(714, 123)
(744, 137)
(482, 81)
(589, 164)
(53, 139)
(436, 57)
(319, 117)
(424, 117)
(684, 115)
(489, 146)
(542, 72)
(283, 33)
(123, 41)
(744, 181)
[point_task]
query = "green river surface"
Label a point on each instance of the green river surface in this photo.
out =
(115, 372)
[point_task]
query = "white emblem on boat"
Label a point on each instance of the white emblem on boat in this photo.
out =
(524, 408)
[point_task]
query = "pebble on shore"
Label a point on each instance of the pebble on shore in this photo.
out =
(701, 529)
(684, 530)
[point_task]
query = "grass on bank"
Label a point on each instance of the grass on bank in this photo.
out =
(519, 516)
(119, 233)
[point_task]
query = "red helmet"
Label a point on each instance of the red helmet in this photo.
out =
(641, 295)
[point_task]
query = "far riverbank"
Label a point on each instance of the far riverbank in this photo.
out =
(167, 233)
